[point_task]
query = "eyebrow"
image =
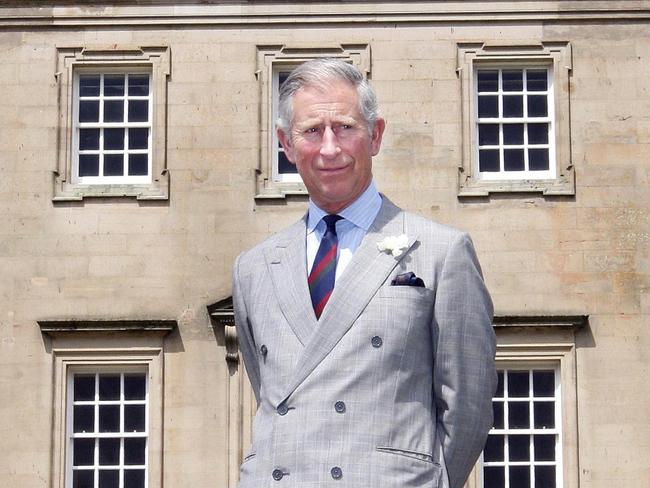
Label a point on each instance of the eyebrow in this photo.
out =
(335, 119)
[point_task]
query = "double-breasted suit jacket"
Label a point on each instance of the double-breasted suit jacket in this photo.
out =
(392, 386)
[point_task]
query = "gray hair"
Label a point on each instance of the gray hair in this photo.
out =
(320, 73)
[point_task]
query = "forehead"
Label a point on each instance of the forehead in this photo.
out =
(338, 98)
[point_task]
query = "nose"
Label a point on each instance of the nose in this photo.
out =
(329, 144)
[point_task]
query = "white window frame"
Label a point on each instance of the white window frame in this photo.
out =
(73, 61)
(271, 60)
(556, 56)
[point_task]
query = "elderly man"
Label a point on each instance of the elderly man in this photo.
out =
(365, 330)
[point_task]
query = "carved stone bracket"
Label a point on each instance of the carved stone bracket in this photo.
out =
(222, 314)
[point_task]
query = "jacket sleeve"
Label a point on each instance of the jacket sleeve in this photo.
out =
(464, 370)
(244, 331)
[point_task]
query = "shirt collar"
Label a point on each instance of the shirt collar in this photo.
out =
(361, 212)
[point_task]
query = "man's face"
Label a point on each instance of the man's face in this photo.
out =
(330, 144)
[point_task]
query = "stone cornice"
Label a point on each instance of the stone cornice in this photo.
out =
(56, 328)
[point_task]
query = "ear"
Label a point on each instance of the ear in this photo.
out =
(285, 140)
(377, 134)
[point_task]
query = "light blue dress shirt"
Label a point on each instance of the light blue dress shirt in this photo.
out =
(357, 218)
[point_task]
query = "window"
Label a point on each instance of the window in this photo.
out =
(112, 123)
(277, 177)
(516, 119)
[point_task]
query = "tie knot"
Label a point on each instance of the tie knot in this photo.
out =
(330, 221)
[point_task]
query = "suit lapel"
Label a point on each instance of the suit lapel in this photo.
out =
(367, 271)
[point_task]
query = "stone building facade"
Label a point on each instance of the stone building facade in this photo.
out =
(138, 159)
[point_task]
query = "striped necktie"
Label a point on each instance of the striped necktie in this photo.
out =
(323, 271)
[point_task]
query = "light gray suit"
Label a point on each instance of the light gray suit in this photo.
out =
(392, 386)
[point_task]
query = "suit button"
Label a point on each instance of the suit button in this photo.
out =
(282, 409)
(277, 474)
(336, 473)
(264, 350)
(339, 407)
(376, 341)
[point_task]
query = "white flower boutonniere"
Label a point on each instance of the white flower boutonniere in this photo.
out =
(394, 245)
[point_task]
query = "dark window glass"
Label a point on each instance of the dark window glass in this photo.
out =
(138, 85)
(89, 166)
(113, 111)
(84, 452)
(513, 160)
(488, 160)
(138, 110)
(284, 165)
(488, 81)
(544, 477)
(89, 111)
(89, 85)
(109, 418)
(494, 477)
(488, 106)
(536, 80)
(109, 452)
(138, 165)
(83, 478)
(513, 106)
(134, 386)
(113, 139)
(519, 476)
(544, 415)
(488, 134)
(138, 138)
(113, 165)
(134, 451)
(134, 416)
(537, 106)
(518, 384)
(519, 447)
(88, 139)
(513, 80)
(544, 447)
(499, 392)
(497, 408)
(84, 418)
(114, 85)
(537, 133)
(513, 134)
(538, 159)
(544, 383)
(518, 415)
(134, 478)
(84, 387)
(109, 478)
(109, 387)
(493, 448)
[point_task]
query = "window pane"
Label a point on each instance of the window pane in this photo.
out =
(83, 452)
(537, 106)
(513, 80)
(537, 133)
(538, 159)
(513, 106)
(109, 452)
(84, 387)
(109, 478)
(89, 166)
(488, 106)
(513, 134)
(284, 165)
(518, 415)
(134, 478)
(518, 384)
(89, 111)
(488, 80)
(134, 418)
(519, 447)
(519, 476)
(536, 80)
(488, 160)
(134, 386)
(138, 164)
(134, 451)
(83, 478)
(499, 392)
(113, 139)
(488, 134)
(113, 165)
(84, 418)
(113, 111)
(497, 408)
(114, 85)
(138, 138)
(89, 86)
(544, 476)
(544, 447)
(88, 139)
(494, 477)
(513, 160)
(544, 383)
(544, 415)
(494, 448)
(138, 85)
(109, 387)
(138, 110)
(109, 418)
